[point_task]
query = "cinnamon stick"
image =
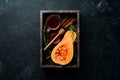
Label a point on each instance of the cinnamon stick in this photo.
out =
(62, 22)
(69, 23)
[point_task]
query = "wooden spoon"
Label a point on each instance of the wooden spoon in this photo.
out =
(61, 31)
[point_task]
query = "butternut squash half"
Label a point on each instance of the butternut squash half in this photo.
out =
(63, 52)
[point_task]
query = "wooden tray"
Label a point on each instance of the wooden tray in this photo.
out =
(45, 59)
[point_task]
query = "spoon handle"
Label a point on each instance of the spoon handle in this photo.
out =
(61, 31)
(51, 42)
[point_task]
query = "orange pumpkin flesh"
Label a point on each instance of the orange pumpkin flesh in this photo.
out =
(62, 54)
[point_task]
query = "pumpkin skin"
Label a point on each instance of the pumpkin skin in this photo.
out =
(63, 52)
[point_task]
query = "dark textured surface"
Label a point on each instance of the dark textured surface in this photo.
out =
(19, 40)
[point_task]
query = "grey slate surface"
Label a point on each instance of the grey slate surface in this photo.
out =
(19, 40)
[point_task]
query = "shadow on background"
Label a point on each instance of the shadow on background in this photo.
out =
(61, 74)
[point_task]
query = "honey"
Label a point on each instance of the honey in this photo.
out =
(53, 22)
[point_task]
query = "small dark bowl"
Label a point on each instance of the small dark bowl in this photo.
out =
(53, 22)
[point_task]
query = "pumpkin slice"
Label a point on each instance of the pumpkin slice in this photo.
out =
(62, 53)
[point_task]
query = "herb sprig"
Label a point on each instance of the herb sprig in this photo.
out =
(72, 28)
(45, 39)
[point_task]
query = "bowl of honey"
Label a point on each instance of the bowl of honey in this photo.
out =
(53, 22)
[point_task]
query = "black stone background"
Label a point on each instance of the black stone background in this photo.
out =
(19, 40)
